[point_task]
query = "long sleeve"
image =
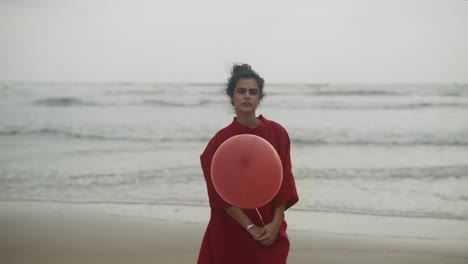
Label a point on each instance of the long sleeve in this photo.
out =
(216, 202)
(287, 191)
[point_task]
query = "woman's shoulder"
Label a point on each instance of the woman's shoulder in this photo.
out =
(222, 134)
(274, 125)
(226, 130)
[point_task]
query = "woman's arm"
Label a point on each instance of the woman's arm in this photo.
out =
(270, 231)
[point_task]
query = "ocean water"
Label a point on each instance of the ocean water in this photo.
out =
(376, 149)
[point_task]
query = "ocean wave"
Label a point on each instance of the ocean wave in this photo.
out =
(63, 101)
(10, 132)
(176, 104)
(299, 141)
(385, 212)
(374, 106)
(365, 90)
(203, 203)
(426, 173)
(119, 187)
(401, 140)
(73, 101)
(65, 133)
(107, 179)
(403, 106)
(57, 132)
(355, 93)
(293, 104)
(138, 92)
(162, 175)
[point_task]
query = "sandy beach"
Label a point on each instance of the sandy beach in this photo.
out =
(32, 232)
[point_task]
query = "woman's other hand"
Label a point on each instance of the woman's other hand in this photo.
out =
(269, 234)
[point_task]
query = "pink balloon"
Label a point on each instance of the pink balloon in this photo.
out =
(246, 171)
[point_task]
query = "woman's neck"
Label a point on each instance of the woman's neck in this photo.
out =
(247, 119)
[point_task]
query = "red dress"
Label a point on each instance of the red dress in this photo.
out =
(226, 241)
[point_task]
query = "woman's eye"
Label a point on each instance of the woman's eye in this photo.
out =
(241, 91)
(254, 92)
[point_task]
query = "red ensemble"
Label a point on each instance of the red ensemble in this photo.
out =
(225, 240)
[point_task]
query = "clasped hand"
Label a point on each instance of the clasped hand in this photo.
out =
(265, 235)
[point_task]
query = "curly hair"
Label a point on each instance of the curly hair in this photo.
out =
(243, 71)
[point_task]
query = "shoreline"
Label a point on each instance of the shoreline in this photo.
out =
(44, 232)
(335, 223)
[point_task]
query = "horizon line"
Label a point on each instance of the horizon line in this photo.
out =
(223, 83)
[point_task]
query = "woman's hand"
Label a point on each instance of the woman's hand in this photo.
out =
(256, 231)
(270, 231)
(269, 234)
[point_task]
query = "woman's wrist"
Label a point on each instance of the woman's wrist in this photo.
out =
(277, 222)
(250, 227)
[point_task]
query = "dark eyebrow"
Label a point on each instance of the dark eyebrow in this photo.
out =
(248, 88)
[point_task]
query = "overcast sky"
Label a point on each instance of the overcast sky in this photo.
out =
(197, 41)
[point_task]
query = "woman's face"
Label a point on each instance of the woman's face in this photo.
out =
(246, 95)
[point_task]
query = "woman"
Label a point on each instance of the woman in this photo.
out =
(237, 235)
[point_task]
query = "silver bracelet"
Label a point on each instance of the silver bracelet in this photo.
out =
(250, 226)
